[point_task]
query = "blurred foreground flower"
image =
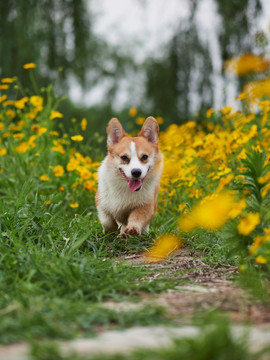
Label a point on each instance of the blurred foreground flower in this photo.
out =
(163, 247)
(247, 63)
(211, 213)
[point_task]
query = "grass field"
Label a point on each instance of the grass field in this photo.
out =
(57, 267)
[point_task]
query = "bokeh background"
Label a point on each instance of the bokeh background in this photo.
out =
(161, 58)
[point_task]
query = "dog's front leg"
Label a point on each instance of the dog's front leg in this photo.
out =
(107, 222)
(139, 219)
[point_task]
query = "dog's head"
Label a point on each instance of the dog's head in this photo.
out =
(134, 157)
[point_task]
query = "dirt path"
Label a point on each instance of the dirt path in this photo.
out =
(205, 288)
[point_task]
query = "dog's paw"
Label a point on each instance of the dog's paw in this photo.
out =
(132, 230)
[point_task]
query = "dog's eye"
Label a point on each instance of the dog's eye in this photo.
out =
(125, 158)
(144, 157)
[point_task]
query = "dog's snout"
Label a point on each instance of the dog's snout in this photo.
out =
(136, 172)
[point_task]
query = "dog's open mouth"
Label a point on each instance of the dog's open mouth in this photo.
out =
(133, 184)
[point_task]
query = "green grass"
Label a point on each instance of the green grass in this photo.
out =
(215, 342)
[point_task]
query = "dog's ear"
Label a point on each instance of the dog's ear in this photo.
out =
(115, 132)
(150, 130)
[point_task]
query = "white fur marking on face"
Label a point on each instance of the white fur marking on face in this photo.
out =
(134, 163)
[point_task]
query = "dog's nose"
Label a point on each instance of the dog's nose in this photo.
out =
(136, 172)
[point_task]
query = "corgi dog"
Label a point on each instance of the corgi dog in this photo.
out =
(128, 179)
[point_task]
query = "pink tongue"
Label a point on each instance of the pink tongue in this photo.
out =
(133, 184)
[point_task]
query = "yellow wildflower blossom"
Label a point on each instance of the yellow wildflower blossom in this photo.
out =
(47, 202)
(8, 80)
(83, 124)
(160, 120)
(247, 63)
(44, 177)
(10, 114)
(133, 111)
(163, 247)
(53, 133)
(77, 138)
(29, 66)
(90, 185)
(209, 112)
(3, 98)
(58, 170)
(4, 87)
(3, 151)
(55, 114)
(36, 101)
(261, 260)
(20, 104)
(211, 213)
(237, 208)
(74, 205)
(248, 224)
(140, 120)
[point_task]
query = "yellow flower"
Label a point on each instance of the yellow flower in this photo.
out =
(58, 170)
(163, 247)
(3, 98)
(44, 177)
(55, 114)
(256, 244)
(77, 138)
(61, 188)
(211, 213)
(18, 136)
(224, 181)
(257, 89)
(226, 110)
(10, 114)
(20, 104)
(29, 66)
(74, 205)
(36, 101)
(90, 185)
(247, 224)
(2, 126)
(39, 130)
(182, 207)
(247, 63)
(8, 80)
(4, 87)
(261, 260)
(265, 189)
(140, 120)
(53, 133)
(209, 112)
(237, 208)
(133, 111)
(47, 202)
(160, 120)
(3, 151)
(84, 124)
